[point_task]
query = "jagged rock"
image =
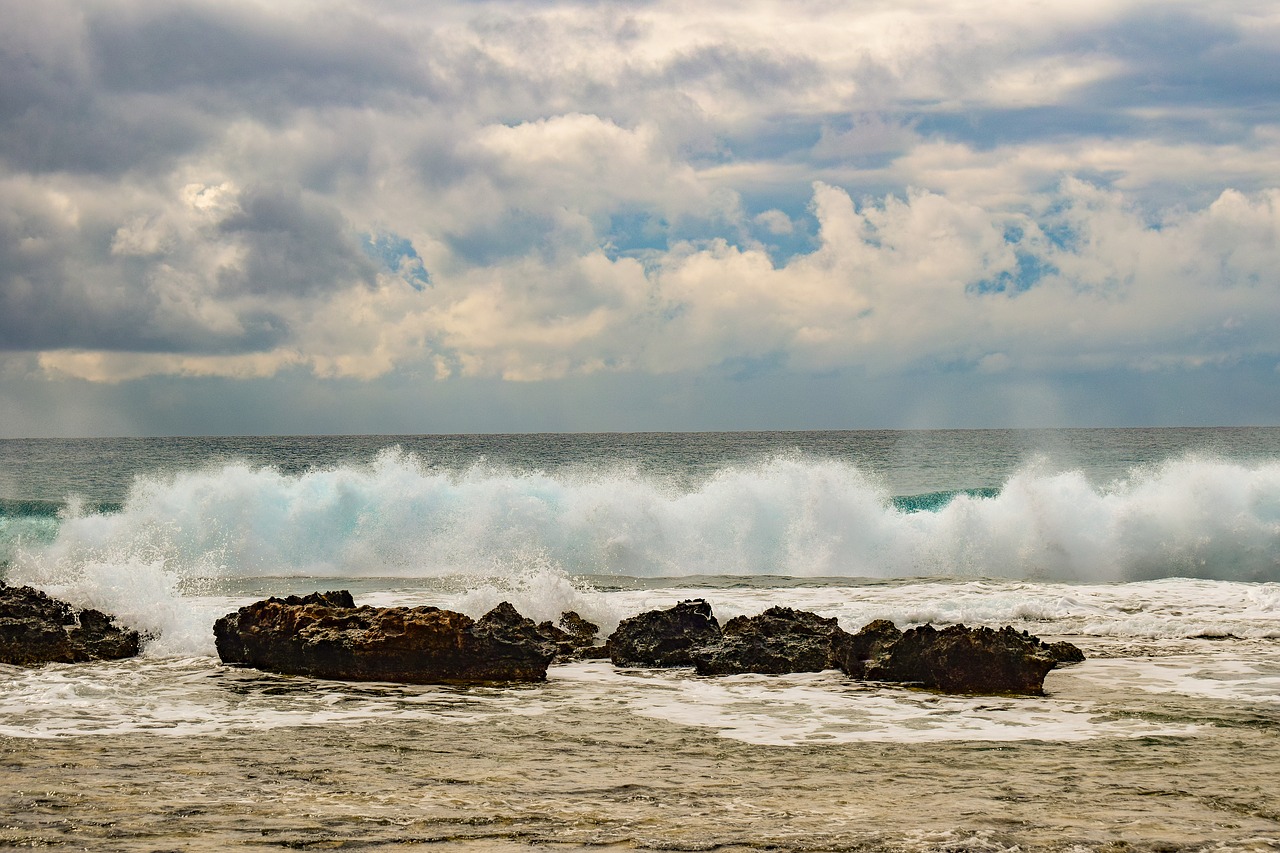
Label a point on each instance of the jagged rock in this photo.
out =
(779, 640)
(959, 659)
(956, 659)
(664, 637)
(1065, 653)
(850, 652)
(326, 635)
(35, 629)
(574, 638)
(582, 631)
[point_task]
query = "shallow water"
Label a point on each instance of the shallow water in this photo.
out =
(1154, 743)
(206, 758)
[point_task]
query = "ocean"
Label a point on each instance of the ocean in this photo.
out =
(1157, 551)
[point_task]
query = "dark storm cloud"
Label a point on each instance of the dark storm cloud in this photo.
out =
(1213, 79)
(122, 86)
(1181, 74)
(105, 136)
(1183, 57)
(47, 309)
(259, 59)
(296, 246)
(51, 299)
(62, 287)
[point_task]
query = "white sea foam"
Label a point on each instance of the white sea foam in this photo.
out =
(524, 536)
(1224, 676)
(185, 698)
(811, 708)
(793, 516)
(189, 697)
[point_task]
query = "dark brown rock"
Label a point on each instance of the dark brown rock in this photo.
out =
(956, 659)
(574, 638)
(664, 637)
(850, 652)
(777, 641)
(326, 636)
(36, 629)
(1065, 653)
(959, 659)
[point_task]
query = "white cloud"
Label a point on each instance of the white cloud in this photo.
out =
(656, 188)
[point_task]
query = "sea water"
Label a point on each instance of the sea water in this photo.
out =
(1155, 551)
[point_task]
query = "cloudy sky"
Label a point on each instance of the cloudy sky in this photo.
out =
(392, 216)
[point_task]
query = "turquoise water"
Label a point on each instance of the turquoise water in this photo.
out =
(1073, 505)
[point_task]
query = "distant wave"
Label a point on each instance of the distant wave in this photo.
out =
(800, 516)
(12, 508)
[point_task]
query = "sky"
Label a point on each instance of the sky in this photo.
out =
(390, 216)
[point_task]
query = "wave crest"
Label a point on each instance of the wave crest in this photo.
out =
(788, 515)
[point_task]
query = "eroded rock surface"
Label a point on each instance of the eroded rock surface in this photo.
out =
(851, 652)
(664, 637)
(36, 628)
(957, 659)
(327, 636)
(777, 641)
(574, 638)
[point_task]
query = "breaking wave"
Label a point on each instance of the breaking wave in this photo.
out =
(183, 548)
(796, 516)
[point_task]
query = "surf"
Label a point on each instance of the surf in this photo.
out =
(791, 515)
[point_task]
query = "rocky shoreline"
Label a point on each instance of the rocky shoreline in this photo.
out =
(325, 635)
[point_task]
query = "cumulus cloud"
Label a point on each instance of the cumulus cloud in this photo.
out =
(536, 191)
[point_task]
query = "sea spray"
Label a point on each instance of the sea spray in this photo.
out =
(540, 590)
(791, 515)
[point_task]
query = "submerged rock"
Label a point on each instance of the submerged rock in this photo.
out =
(664, 637)
(777, 641)
(36, 629)
(327, 636)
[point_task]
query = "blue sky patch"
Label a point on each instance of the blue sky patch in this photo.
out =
(397, 255)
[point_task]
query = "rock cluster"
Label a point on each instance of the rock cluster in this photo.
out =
(326, 635)
(574, 638)
(36, 629)
(777, 641)
(957, 659)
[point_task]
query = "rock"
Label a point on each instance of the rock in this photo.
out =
(779, 640)
(959, 659)
(664, 637)
(595, 652)
(955, 660)
(583, 632)
(850, 652)
(35, 629)
(1065, 653)
(574, 638)
(327, 636)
